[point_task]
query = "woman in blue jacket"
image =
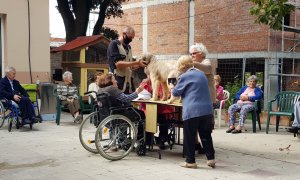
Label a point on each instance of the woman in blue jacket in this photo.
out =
(246, 97)
(197, 111)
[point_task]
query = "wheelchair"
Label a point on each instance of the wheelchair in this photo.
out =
(11, 117)
(167, 122)
(117, 130)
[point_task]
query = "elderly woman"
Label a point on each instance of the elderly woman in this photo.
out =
(94, 86)
(68, 95)
(246, 97)
(198, 52)
(108, 84)
(219, 90)
(197, 111)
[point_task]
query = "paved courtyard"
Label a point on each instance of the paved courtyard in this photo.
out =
(54, 152)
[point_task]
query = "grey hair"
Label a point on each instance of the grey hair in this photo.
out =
(9, 69)
(200, 48)
(66, 74)
(128, 30)
(252, 78)
(184, 63)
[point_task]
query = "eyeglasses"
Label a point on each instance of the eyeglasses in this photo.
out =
(194, 53)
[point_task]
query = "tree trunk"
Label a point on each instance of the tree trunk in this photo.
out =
(101, 18)
(75, 26)
(67, 16)
(82, 13)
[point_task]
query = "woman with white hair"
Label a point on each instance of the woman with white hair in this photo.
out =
(197, 111)
(198, 53)
(68, 95)
(246, 97)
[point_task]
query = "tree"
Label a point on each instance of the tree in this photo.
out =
(271, 12)
(75, 15)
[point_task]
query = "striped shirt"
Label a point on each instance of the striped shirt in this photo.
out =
(65, 92)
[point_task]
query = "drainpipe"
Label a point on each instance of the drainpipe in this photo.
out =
(191, 23)
(29, 42)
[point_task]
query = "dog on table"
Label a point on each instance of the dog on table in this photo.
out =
(160, 72)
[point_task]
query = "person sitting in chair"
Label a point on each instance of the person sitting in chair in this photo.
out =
(108, 84)
(296, 123)
(164, 112)
(246, 97)
(12, 90)
(219, 91)
(94, 86)
(68, 94)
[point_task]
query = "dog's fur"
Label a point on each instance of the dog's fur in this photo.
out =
(159, 72)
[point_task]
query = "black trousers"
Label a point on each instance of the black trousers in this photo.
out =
(121, 80)
(203, 125)
(163, 127)
(26, 108)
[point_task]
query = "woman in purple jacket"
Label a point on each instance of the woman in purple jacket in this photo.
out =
(246, 97)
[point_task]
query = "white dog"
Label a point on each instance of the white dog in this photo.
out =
(159, 72)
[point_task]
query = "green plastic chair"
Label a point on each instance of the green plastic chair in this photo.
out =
(60, 107)
(32, 90)
(285, 106)
(255, 114)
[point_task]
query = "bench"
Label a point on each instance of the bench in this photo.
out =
(285, 106)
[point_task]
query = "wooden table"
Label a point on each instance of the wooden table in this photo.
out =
(151, 113)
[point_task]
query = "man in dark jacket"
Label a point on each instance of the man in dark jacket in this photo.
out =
(11, 89)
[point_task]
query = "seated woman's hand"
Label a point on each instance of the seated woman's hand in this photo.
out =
(139, 89)
(244, 97)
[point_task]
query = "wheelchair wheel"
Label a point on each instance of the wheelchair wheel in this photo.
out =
(2, 114)
(171, 136)
(87, 132)
(141, 148)
(10, 123)
(115, 137)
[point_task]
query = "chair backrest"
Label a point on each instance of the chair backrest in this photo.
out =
(104, 103)
(286, 100)
(226, 95)
(31, 90)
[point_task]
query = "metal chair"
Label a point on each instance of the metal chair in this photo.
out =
(226, 96)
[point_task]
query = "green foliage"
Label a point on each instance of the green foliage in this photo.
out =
(109, 33)
(233, 88)
(259, 75)
(270, 12)
(76, 14)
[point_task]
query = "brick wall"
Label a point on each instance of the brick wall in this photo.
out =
(168, 28)
(55, 62)
(227, 26)
(131, 17)
(223, 26)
